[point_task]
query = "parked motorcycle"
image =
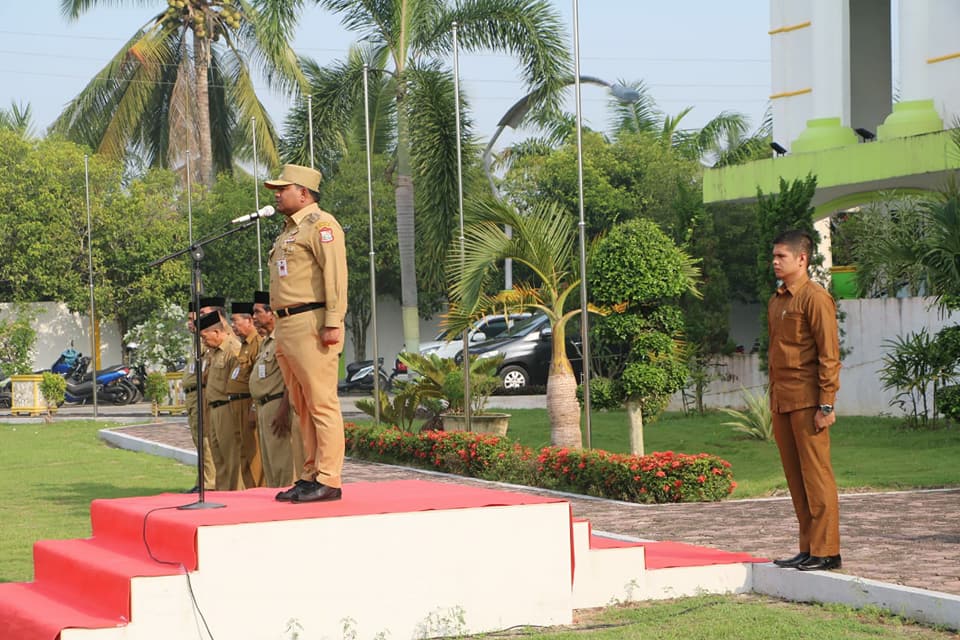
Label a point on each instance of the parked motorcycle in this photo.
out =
(360, 377)
(112, 385)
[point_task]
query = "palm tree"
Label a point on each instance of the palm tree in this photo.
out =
(182, 84)
(18, 118)
(407, 45)
(545, 242)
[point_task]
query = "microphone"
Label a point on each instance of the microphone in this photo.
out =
(265, 212)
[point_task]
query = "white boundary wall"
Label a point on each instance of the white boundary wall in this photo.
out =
(57, 327)
(869, 323)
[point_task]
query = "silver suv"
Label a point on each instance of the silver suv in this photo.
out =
(448, 346)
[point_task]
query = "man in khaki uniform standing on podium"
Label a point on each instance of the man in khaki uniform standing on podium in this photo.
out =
(308, 294)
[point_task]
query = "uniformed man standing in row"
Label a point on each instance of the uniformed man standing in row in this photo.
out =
(222, 347)
(308, 294)
(238, 393)
(191, 380)
(281, 450)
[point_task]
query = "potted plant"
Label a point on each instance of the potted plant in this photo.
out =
(443, 378)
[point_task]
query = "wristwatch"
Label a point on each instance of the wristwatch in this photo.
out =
(826, 409)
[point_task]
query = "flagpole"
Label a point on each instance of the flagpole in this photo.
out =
(93, 310)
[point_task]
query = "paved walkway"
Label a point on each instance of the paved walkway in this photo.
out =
(910, 538)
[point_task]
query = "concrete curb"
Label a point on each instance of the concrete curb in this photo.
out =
(929, 607)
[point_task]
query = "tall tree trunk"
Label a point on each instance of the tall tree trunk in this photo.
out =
(406, 238)
(201, 52)
(636, 427)
(563, 409)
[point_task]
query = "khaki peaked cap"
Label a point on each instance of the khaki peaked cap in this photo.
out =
(295, 174)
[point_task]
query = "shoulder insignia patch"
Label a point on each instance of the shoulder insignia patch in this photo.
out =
(326, 234)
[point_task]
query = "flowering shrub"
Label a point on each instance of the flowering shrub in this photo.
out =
(658, 477)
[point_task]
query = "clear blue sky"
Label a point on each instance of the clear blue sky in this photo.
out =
(711, 55)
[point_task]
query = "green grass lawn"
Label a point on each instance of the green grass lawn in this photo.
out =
(743, 617)
(49, 474)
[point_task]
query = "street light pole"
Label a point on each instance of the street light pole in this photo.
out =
(582, 228)
(467, 409)
(373, 252)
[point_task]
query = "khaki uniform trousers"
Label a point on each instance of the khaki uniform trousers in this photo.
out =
(806, 463)
(310, 371)
(277, 452)
(225, 447)
(209, 471)
(251, 467)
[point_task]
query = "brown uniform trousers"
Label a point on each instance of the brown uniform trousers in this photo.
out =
(251, 468)
(267, 389)
(224, 434)
(805, 373)
(308, 266)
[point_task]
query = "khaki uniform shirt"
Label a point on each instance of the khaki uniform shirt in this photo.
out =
(804, 356)
(190, 373)
(218, 369)
(242, 364)
(266, 378)
(308, 263)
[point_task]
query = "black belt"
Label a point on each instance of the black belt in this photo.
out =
(265, 399)
(300, 308)
(230, 398)
(189, 389)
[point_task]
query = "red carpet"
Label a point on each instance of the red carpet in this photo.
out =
(86, 583)
(669, 555)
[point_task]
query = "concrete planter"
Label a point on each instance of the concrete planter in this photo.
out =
(495, 423)
(27, 399)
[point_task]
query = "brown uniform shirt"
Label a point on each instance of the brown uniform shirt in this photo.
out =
(308, 263)
(804, 356)
(242, 364)
(218, 368)
(266, 379)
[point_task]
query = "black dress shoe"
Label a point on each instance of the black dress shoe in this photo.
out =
(820, 563)
(794, 562)
(321, 493)
(287, 494)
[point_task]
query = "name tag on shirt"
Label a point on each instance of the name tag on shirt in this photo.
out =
(282, 268)
(192, 367)
(235, 373)
(262, 371)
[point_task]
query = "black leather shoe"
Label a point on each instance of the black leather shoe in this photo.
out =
(321, 493)
(820, 563)
(794, 562)
(287, 494)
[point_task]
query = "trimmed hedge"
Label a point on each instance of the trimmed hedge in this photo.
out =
(655, 478)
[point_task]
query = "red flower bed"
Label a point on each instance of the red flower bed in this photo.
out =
(658, 477)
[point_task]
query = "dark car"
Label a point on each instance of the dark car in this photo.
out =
(527, 349)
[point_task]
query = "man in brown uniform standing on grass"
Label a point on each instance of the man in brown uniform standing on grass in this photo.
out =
(804, 365)
(308, 294)
(238, 393)
(281, 450)
(222, 347)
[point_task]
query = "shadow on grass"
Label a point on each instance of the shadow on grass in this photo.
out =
(77, 496)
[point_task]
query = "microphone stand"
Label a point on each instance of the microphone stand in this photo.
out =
(196, 254)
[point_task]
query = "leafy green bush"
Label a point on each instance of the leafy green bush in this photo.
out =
(53, 387)
(948, 402)
(914, 366)
(17, 337)
(655, 478)
(156, 388)
(605, 394)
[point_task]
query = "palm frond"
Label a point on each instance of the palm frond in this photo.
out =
(756, 420)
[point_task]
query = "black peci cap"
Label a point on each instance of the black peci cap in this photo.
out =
(261, 297)
(242, 307)
(208, 320)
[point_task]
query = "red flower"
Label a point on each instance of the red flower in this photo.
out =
(660, 474)
(701, 478)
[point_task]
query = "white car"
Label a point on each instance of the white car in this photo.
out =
(483, 329)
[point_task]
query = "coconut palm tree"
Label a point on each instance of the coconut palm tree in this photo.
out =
(18, 118)
(545, 242)
(411, 43)
(182, 83)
